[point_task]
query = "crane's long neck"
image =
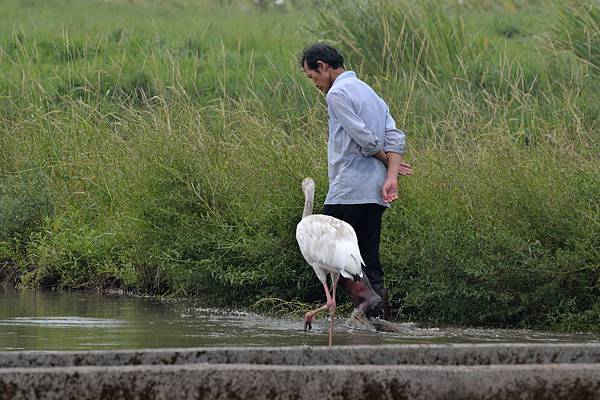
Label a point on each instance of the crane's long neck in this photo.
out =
(309, 196)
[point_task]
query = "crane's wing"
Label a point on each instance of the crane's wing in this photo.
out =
(330, 244)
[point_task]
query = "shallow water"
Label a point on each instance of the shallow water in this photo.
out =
(34, 320)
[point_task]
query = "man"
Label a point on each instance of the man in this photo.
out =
(364, 155)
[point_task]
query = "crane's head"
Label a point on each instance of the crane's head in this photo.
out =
(308, 185)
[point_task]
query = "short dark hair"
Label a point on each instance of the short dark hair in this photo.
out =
(321, 52)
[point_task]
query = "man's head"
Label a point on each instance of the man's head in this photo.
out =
(322, 64)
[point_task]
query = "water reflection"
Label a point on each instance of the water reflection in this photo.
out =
(61, 322)
(31, 320)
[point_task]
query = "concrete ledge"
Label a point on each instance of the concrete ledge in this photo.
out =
(450, 354)
(218, 381)
(453, 371)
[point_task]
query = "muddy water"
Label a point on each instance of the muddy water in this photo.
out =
(32, 320)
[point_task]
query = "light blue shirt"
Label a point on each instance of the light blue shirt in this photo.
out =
(360, 125)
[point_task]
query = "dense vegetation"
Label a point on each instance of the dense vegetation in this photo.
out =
(159, 146)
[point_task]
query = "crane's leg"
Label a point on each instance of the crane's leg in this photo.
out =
(308, 317)
(334, 280)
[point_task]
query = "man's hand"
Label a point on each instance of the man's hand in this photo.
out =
(390, 189)
(405, 169)
(395, 167)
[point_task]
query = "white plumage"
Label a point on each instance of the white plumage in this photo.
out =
(330, 246)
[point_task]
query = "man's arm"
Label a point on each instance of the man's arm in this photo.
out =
(394, 148)
(381, 156)
(403, 169)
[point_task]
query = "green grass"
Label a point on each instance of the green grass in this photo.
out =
(160, 146)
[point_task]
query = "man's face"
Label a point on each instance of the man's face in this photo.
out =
(321, 77)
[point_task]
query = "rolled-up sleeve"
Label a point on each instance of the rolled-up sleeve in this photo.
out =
(341, 107)
(395, 139)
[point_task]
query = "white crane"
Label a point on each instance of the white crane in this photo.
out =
(330, 246)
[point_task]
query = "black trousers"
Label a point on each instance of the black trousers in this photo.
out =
(366, 221)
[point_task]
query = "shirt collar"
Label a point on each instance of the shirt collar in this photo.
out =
(344, 75)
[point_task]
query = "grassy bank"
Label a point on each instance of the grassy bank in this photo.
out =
(159, 146)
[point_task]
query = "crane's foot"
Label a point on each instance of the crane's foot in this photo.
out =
(310, 315)
(308, 318)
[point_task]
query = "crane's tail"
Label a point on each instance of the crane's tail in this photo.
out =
(358, 276)
(353, 271)
(353, 276)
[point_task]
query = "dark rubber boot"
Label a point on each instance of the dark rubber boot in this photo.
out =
(383, 293)
(364, 298)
